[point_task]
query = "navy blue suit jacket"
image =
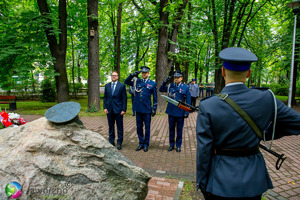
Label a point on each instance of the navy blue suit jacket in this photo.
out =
(219, 126)
(116, 102)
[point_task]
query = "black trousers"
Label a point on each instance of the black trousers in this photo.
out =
(112, 119)
(214, 197)
(193, 101)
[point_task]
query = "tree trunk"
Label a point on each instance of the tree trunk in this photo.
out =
(58, 50)
(162, 52)
(93, 56)
(78, 70)
(186, 73)
(73, 66)
(119, 38)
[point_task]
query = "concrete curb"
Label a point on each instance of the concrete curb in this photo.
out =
(179, 190)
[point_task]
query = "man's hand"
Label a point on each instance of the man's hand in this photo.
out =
(136, 73)
(106, 111)
(123, 113)
(153, 112)
(185, 115)
(168, 79)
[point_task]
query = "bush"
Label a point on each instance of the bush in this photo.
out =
(78, 87)
(278, 89)
(48, 91)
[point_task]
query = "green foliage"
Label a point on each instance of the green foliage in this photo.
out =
(48, 91)
(278, 89)
(24, 50)
(78, 87)
(92, 108)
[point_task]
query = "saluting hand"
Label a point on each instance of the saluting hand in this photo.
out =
(136, 73)
(168, 79)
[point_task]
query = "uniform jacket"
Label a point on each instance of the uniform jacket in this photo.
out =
(181, 92)
(194, 90)
(219, 126)
(116, 102)
(143, 94)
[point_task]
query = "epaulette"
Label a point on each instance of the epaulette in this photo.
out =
(205, 98)
(261, 88)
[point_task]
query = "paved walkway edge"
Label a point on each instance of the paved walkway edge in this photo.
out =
(179, 190)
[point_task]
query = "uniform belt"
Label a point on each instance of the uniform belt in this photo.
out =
(237, 152)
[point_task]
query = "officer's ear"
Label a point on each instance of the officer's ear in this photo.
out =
(249, 73)
(223, 72)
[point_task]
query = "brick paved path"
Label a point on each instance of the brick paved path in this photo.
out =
(159, 162)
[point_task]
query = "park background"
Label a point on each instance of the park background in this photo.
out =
(59, 50)
(56, 50)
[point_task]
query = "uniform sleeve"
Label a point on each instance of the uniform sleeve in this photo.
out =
(204, 148)
(155, 96)
(163, 87)
(287, 122)
(105, 98)
(124, 98)
(128, 80)
(188, 99)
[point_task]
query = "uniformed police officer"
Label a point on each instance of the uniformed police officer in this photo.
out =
(177, 91)
(144, 88)
(229, 164)
(207, 87)
(194, 90)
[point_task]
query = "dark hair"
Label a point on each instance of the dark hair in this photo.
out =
(115, 72)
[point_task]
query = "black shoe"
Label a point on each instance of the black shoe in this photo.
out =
(170, 148)
(139, 148)
(112, 144)
(178, 149)
(145, 148)
(119, 147)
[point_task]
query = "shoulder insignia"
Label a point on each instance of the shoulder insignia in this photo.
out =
(261, 88)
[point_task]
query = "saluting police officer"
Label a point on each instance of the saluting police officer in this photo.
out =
(144, 88)
(229, 164)
(176, 91)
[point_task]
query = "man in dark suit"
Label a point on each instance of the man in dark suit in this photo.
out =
(229, 164)
(115, 105)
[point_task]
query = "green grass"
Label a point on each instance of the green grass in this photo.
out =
(189, 191)
(39, 108)
(282, 98)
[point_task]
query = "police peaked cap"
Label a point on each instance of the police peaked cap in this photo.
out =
(193, 79)
(145, 69)
(237, 59)
(178, 74)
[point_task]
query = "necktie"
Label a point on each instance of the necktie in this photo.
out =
(113, 88)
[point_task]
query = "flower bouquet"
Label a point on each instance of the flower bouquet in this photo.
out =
(11, 119)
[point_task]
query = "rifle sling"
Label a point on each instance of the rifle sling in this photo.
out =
(241, 112)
